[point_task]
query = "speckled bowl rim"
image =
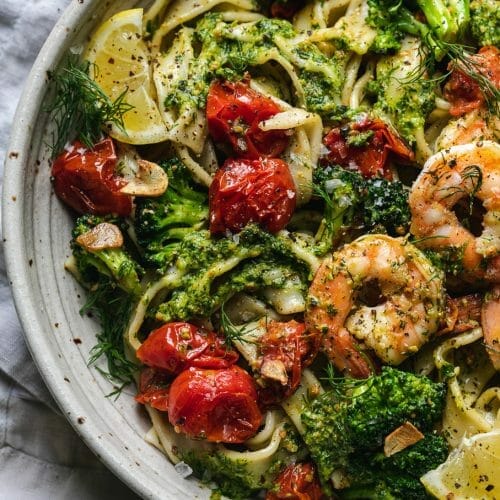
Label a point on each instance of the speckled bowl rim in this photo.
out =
(18, 205)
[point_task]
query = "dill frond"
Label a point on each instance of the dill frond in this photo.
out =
(461, 58)
(344, 387)
(232, 332)
(80, 106)
(112, 307)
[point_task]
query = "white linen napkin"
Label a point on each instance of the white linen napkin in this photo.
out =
(41, 457)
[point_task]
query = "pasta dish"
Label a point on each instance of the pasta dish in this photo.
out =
(287, 221)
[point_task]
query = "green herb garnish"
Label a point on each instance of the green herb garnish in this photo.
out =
(81, 107)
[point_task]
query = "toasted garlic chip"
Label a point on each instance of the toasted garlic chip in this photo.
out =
(150, 180)
(274, 369)
(101, 237)
(399, 439)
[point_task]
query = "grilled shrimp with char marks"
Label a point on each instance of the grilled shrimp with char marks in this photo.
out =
(394, 322)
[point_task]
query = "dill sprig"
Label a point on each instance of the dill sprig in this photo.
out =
(232, 332)
(80, 106)
(461, 58)
(112, 308)
(344, 387)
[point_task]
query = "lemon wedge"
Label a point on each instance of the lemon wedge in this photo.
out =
(471, 471)
(122, 64)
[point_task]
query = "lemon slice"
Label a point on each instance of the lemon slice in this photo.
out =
(471, 471)
(122, 63)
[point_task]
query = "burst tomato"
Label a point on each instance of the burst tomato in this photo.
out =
(297, 482)
(246, 191)
(86, 179)
(217, 405)
(176, 346)
(234, 112)
(285, 350)
(464, 92)
(371, 157)
(153, 389)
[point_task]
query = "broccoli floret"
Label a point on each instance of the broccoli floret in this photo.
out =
(209, 271)
(353, 201)
(354, 418)
(115, 264)
(373, 475)
(232, 477)
(237, 478)
(485, 21)
(446, 21)
(341, 191)
(162, 223)
(386, 204)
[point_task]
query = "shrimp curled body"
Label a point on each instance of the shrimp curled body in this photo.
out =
(406, 312)
(455, 175)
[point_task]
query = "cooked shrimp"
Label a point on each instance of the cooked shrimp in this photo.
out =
(490, 321)
(395, 323)
(478, 125)
(460, 173)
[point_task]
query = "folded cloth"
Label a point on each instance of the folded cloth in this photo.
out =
(41, 457)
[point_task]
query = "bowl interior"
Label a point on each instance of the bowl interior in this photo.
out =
(37, 229)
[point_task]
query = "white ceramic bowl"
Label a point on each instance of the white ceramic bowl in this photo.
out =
(37, 228)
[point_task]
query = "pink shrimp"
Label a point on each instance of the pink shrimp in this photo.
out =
(405, 314)
(461, 172)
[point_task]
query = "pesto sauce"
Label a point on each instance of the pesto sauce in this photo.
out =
(228, 50)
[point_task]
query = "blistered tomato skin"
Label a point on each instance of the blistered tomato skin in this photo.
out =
(371, 157)
(289, 345)
(174, 347)
(153, 389)
(234, 112)
(297, 482)
(462, 91)
(244, 191)
(86, 180)
(219, 406)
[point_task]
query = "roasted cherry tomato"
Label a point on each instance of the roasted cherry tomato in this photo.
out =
(285, 9)
(234, 112)
(464, 92)
(297, 482)
(217, 405)
(86, 180)
(246, 191)
(285, 350)
(176, 346)
(153, 389)
(364, 146)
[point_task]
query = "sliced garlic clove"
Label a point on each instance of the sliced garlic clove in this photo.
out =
(150, 180)
(274, 369)
(101, 237)
(402, 437)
